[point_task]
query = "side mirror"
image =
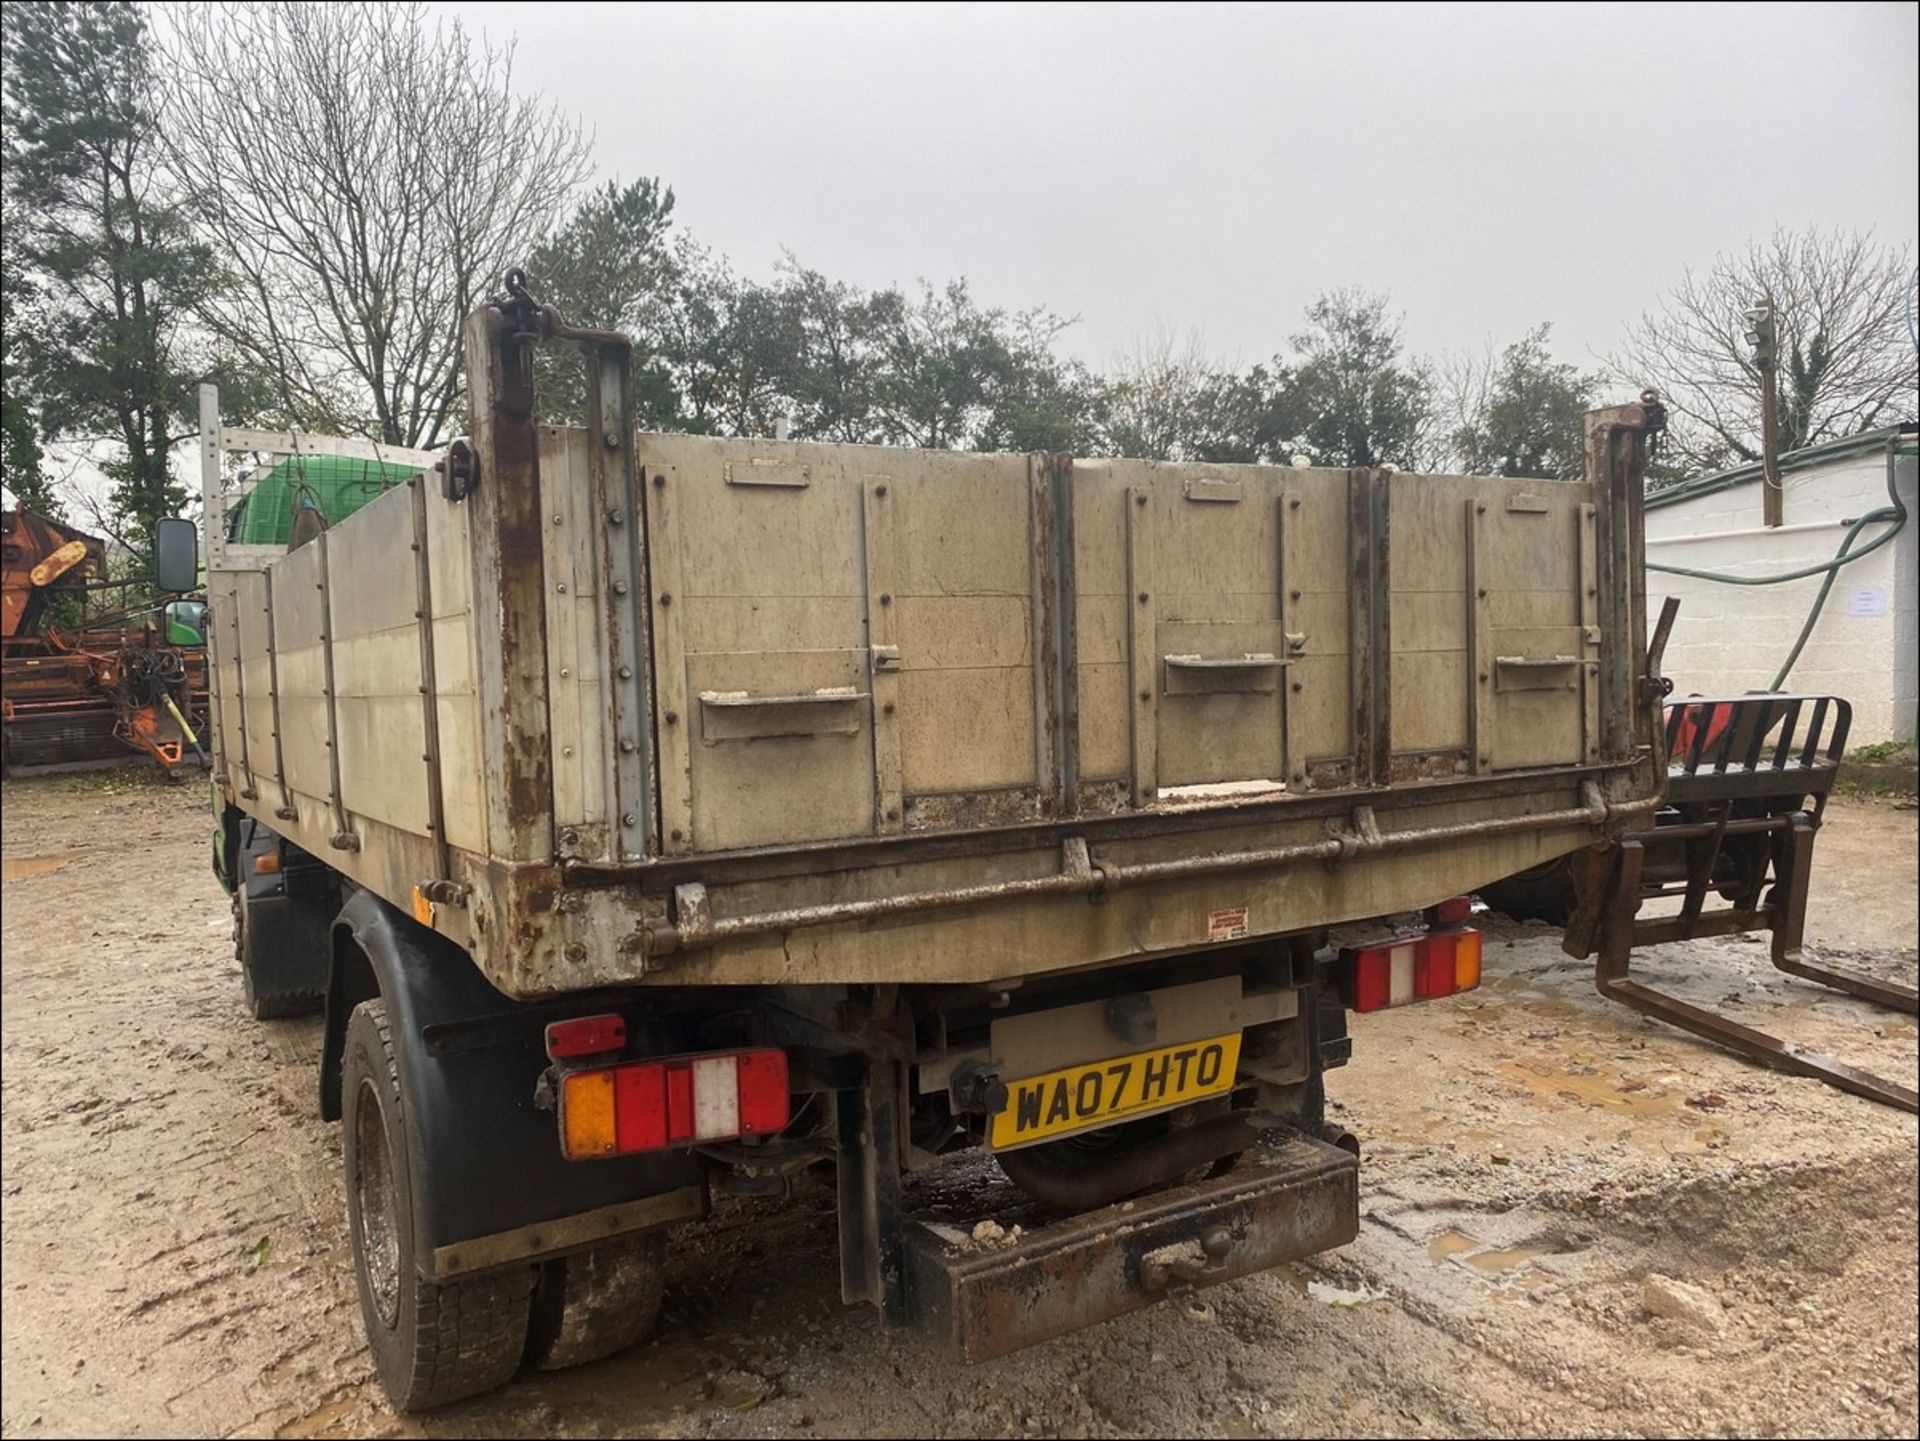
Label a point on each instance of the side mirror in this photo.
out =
(176, 555)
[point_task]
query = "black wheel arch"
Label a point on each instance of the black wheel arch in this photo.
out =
(484, 1157)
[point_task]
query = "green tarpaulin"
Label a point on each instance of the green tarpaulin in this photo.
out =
(339, 485)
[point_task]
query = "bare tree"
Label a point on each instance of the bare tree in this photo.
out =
(1153, 391)
(1167, 398)
(1845, 363)
(365, 176)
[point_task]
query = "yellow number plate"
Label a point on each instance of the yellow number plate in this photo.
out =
(1103, 1092)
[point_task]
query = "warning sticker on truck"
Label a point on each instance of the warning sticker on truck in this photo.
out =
(1230, 925)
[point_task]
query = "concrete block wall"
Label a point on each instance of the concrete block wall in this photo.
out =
(1729, 639)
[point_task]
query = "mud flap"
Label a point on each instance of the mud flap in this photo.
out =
(1300, 1198)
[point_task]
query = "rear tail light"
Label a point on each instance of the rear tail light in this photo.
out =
(1414, 968)
(675, 1101)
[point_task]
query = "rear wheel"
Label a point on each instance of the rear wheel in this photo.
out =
(266, 999)
(596, 1303)
(431, 1342)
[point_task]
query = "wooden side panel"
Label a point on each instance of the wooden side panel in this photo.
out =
(259, 707)
(375, 634)
(299, 622)
(455, 698)
(576, 645)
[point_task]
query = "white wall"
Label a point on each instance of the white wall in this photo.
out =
(1729, 639)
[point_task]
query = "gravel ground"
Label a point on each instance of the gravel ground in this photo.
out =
(1576, 1221)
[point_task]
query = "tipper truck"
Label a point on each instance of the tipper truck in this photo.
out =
(656, 817)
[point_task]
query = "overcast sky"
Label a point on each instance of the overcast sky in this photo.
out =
(1217, 167)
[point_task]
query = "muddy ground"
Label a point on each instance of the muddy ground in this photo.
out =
(1577, 1222)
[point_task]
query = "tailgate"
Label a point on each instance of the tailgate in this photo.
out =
(854, 643)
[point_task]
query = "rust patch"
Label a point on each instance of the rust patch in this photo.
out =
(969, 810)
(1428, 766)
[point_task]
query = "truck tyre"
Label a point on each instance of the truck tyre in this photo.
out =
(431, 1342)
(596, 1303)
(266, 1001)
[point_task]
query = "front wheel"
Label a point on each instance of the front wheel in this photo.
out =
(432, 1342)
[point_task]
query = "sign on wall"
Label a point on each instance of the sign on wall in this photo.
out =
(1867, 600)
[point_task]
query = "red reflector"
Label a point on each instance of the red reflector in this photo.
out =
(1455, 912)
(763, 1092)
(679, 1102)
(1372, 979)
(1433, 970)
(585, 1036)
(640, 1107)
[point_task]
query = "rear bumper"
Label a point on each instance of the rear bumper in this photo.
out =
(1298, 1199)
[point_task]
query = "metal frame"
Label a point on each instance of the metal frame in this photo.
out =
(1740, 771)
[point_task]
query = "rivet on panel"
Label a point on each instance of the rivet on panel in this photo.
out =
(626, 745)
(887, 709)
(562, 587)
(672, 717)
(673, 835)
(1146, 695)
(627, 819)
(666, 597)
(565, 674)
(1143, 597)
(616, 516)
(620, 588)
(626, 672)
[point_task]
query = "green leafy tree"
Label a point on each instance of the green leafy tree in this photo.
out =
(1362, 400)
(108, 250)
(953, 375)
(725, 343)
(1521, 413)
(610, 266)
(21, 459)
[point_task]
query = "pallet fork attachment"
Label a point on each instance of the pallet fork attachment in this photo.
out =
(1746, 789)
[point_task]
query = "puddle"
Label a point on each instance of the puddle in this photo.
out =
(1498, 1263)
(1592, 1086)
(21, 868)
(321, 1421)
(1344, 1296)
(1497, 1260)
